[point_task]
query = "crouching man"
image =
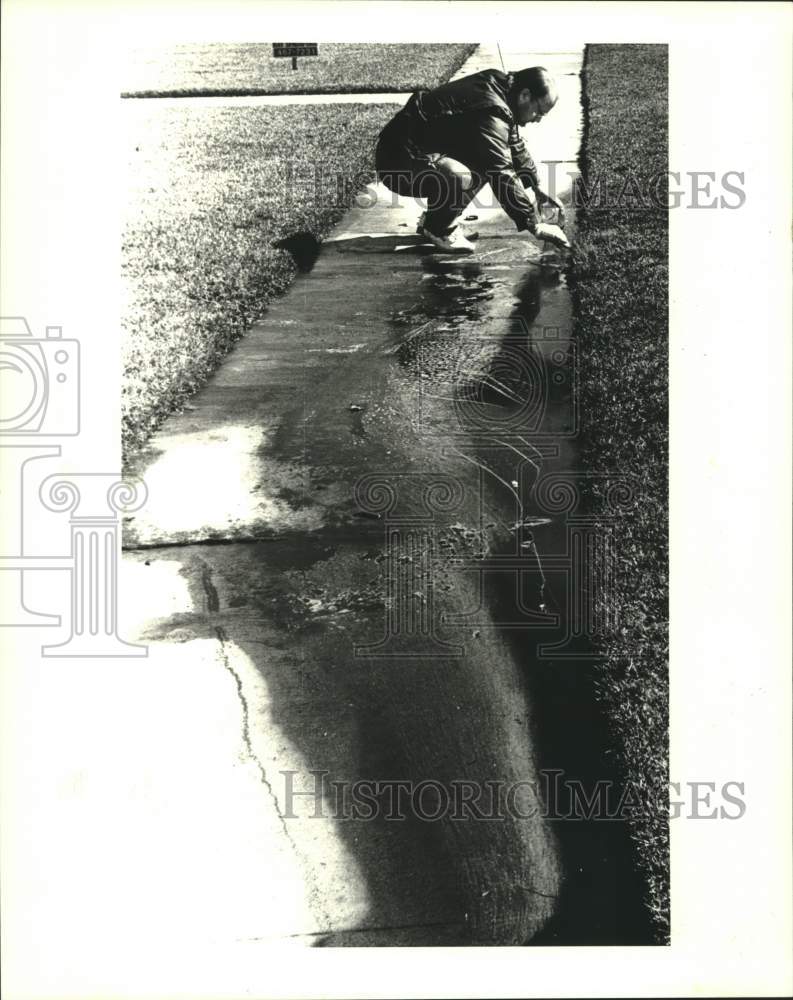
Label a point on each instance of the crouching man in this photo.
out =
(447, 143)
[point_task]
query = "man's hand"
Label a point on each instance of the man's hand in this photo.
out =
(552, 234)
(546, 199)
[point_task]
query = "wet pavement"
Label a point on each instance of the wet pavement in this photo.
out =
(298, 447)
(358, 531)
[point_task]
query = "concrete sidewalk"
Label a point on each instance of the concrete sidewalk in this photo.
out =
(304, 576)
(341, 395)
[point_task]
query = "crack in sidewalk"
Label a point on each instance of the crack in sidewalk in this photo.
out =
(223, 639)
(203, 540)
(314, 898)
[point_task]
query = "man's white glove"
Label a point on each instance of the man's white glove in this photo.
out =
(552, 234)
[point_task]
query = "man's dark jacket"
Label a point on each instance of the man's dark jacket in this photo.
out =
(470, 120)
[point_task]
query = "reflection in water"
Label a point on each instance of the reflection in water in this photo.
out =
(435, 333)
(455, 292)
(528, 294)
(494, 363)
(488, 383)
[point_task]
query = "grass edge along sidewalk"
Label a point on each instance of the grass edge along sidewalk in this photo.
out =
(249, 69)
(619, 284)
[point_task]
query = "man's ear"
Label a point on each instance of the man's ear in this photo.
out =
(523, 97)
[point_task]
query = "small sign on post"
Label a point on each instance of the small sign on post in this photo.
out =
(291, 50)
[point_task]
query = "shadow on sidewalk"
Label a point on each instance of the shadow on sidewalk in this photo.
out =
(298, 605)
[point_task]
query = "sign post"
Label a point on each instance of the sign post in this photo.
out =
(291, 50)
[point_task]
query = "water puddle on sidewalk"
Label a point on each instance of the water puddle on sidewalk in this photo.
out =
(494, 352)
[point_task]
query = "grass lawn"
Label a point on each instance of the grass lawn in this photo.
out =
(209, 190)
(620, 291)
(252, 69)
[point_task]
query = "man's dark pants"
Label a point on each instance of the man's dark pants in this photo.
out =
(447, 184)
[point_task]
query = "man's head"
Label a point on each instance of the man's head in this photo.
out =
(532, 94)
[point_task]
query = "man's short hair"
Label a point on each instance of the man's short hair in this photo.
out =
(536, 80)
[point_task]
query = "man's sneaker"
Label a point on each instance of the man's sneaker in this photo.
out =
(552, 234)
(466, 231)
(453, 242)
